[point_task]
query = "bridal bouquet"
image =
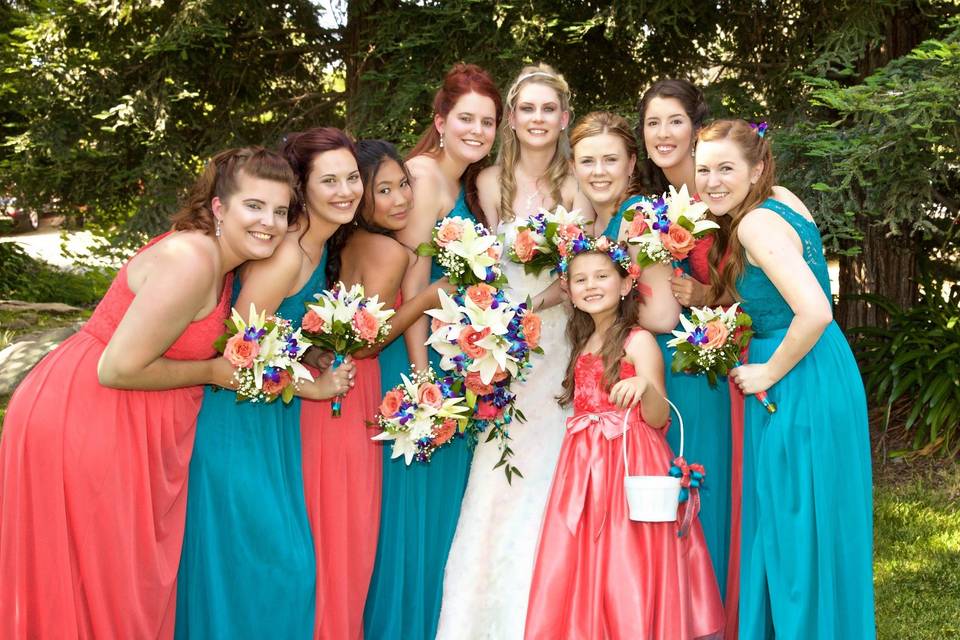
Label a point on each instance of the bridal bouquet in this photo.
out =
(485, 340)
(343, 321)
(466, 250)
(666, 229)
(420, 416)
(539, 240)
(266, 352)
(711, 342)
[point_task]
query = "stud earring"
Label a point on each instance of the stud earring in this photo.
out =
(441, 139)
(217, 229)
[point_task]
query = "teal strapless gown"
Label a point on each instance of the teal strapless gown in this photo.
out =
(421, 506)
(248, 568)
(806, 567)
(707, 438)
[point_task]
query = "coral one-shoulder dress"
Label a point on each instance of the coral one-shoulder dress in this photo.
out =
(93, 488)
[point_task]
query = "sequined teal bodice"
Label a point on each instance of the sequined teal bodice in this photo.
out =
(292, 308)
(460, 210)
(767, 308)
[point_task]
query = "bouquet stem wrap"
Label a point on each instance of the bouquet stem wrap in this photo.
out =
(337, 404)
(762, 397)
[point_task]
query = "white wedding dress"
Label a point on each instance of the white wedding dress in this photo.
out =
(487, 578)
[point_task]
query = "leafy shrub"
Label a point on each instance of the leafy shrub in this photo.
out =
(25, 278)
(916, 359)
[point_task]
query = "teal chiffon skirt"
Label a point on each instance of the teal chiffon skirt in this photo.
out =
(807, 550)
(706, 417)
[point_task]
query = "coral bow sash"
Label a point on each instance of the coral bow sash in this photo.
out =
(588, 465)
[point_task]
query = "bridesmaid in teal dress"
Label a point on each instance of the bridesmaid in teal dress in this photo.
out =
(670, 114)
(806, 566)
(421, 502)
(247, 569)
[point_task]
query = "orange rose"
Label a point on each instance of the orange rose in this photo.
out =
(678, 241)
(638, 227)
(717, 333)
(494, 251)
(568, 231)
(275, 388)
(448, 232)
(468, 342)
(525, 245)
(366, 325)
(241, 352)
(391, 403)
(486, 411)
(531, 329)
(475, 384)
(481, 294)
(444, 432)
(500, 375)
(430, 395)
(312, 322)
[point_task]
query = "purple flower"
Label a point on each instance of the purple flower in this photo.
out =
(698, 337)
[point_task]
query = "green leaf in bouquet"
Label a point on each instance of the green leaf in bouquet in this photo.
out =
(538, 350)
(685, 223)
(426, 249)
(287, 393)
(711, 377)
(220, 344)
(471, 399)
(518, 416)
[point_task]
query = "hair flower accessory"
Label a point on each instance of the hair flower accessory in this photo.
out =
(761, 128)
(617, 251)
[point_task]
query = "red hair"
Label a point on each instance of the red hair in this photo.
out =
(459, 81)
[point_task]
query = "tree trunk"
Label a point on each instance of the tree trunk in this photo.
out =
(886, 266)
(362, 16)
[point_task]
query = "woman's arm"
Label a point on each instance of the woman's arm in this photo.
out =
(427, 205)
(488, 188)
(774, 246)
(178, 279)
(659, 309)
(267, 282)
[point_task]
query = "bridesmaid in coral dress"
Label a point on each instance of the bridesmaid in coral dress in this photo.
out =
(597, 573)
(97, 439)
(342, 464)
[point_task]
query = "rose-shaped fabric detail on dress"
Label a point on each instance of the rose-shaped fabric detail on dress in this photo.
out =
(241, 352)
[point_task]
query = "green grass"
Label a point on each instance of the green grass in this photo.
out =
(917, 552)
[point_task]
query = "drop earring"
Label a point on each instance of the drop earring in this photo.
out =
(217, 228)
(441, 139)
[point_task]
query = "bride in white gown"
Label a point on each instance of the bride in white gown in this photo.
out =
(488, 572)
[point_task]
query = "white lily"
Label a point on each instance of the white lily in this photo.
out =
(472, 247)
(403, 444)
(496, 319)
(561, 216)
(449, 311)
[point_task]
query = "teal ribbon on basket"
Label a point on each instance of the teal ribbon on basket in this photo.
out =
(337, 405)
(692, 478)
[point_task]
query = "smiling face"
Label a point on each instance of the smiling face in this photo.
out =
(596, 285)
(538, 117)
(333, 186)
(724, 176)
(392, 197)
(253, 219)
(667, 132)
(470, 128)
(603, 168)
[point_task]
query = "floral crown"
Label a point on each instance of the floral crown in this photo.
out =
(616, 251)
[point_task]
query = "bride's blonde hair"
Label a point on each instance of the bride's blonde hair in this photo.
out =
(509, 154)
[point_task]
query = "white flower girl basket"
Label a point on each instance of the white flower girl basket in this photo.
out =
(651, 498)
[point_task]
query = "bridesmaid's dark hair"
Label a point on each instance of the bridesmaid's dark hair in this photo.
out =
(687, 94)
(300, 149)
(459, 81)
(371, 154)
(220, 179)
